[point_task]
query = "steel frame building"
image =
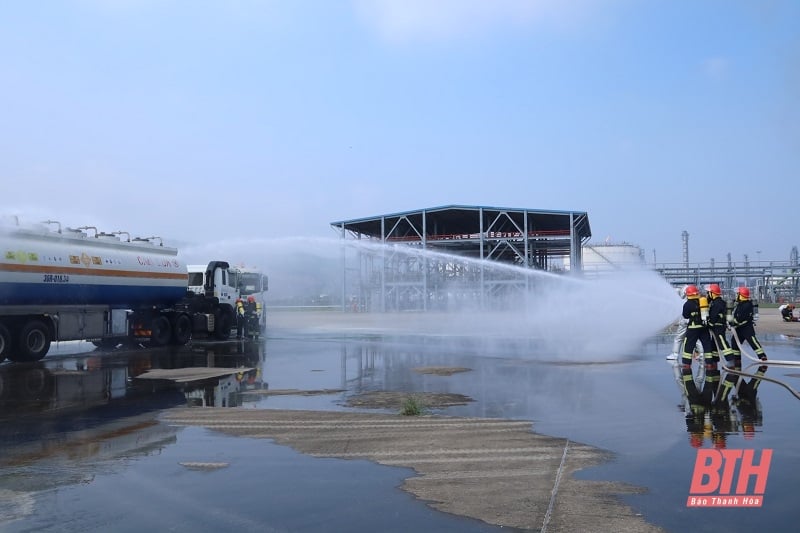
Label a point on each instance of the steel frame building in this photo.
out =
(435, 258)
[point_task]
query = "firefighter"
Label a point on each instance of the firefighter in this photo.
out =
(240, 318)
(743, 325)
(696, 330)
(680, 332)
(717, 309)
(251, 312)
(787, 313)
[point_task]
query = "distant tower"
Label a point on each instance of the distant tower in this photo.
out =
(793, 256)
(685, 237)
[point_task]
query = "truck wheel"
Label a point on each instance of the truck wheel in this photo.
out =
(160, 331)
(37, 384)
(5, 342)
(34, 341)
(182, 330)
(222, 327)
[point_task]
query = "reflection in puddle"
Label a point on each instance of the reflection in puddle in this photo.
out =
(65, 420)
(216, 374)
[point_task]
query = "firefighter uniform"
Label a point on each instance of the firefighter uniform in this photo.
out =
(787, 313)
(717, 309)
(240, 319)
(252, 327)
(744, 326)
(696, 330)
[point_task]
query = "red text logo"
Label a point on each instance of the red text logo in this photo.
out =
(729, 478)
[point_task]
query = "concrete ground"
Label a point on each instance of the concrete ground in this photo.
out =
(770, 321)
(497, 471)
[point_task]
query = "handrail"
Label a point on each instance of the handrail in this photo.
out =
(490, 235)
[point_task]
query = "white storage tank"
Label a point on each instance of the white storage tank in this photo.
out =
(610, 257)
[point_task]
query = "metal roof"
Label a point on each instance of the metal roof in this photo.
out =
(462, 219)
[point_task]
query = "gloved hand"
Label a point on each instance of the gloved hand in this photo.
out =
(731, 323)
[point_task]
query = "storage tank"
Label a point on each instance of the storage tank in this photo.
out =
(40, 265)
(610, 257)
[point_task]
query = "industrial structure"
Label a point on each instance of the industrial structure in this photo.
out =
(443, 257)
(769, 281)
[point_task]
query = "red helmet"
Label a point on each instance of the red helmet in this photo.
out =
(691, 291)
(744, 292)
(714, 289)
(251, 299)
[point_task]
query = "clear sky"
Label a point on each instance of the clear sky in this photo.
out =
(197, 119)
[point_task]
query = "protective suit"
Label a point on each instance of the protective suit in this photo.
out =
(717, 309)
(240, 318)
(787, 313)
(743, 323)
(695, 312)
(680, 334)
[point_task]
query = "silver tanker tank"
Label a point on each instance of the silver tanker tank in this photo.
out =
(81, 284)
(44, 265)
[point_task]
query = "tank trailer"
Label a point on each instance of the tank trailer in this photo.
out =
(80, 284)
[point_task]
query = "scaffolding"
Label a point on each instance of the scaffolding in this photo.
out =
(435, 259)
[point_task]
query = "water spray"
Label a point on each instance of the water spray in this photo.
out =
(566, 316)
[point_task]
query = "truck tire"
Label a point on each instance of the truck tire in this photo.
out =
(160, 331)
(37, 384)
(223, 323)
(33, 343)
(5, 342)
(182, 329)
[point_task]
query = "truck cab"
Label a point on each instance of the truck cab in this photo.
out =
(251, 282)
(213, 280)
(207, 309)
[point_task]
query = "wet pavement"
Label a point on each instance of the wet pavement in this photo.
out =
(84, 445)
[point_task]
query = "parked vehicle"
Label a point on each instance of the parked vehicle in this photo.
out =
(80, 284)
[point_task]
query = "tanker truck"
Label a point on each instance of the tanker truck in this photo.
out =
(81, 284)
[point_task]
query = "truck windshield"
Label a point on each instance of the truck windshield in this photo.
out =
(195, 279)
(249, 283)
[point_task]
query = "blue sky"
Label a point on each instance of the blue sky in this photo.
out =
(197, 119)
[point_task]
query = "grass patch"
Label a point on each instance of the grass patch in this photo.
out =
(412, 407)
(396, 400)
